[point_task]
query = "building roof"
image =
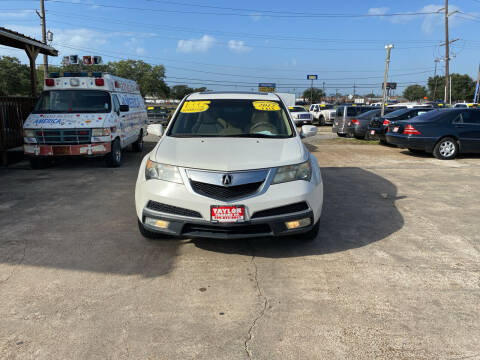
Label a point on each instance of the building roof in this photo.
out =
(16, 40)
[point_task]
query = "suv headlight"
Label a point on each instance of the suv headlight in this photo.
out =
(28, 133)
(101, 132)
(288, 173)
(154, 170)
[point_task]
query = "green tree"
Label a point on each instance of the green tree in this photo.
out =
(415, 92)
(463, 87)
(316, 94)
(14, 77)
(149, 77)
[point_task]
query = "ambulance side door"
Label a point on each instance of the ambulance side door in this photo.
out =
(119, 131)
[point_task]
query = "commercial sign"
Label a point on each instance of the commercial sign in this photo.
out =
(312, 77)
(391, 85)
(266, 87)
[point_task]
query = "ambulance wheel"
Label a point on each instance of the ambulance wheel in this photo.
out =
(137, 146)
(39, 163)
(114, 158)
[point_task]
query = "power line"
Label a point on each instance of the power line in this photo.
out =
(269, 14)
(219, 73)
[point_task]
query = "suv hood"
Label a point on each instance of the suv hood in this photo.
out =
(229, 154)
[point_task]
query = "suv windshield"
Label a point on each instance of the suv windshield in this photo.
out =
(231, 118)
(77, 101)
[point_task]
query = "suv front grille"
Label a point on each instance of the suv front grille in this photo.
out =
(170, 209)
(63, 136)
(281, 210)
(225, 192)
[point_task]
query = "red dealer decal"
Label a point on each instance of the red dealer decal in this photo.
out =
(227, 213)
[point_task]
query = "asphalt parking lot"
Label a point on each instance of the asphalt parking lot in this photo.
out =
(393, 274)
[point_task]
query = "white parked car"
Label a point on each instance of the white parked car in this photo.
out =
(300, 116)
(229, 165)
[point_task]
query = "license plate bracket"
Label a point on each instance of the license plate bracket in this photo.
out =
(227, 213)
(61, 150)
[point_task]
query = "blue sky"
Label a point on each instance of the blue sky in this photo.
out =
(236, 45)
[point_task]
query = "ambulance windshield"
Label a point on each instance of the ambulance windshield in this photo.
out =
(76, 101)
(232, 118)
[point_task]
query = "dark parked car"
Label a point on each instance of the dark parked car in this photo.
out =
(359, 124)
(445, 133)
(157, 114)
(378, 126)
(344, 116)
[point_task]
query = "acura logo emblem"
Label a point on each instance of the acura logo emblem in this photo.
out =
(227, 179)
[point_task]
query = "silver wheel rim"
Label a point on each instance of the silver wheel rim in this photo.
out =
(447, 148)
(118, 155)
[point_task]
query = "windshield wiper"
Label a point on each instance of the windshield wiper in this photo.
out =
(253, 136)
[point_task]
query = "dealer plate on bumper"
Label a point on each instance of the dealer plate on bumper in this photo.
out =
(227, 214)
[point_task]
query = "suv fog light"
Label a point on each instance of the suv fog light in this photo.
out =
(157, 223)
(298, 223)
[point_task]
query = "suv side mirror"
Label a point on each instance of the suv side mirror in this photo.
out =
(308, 131)
(124, 108)
(155, 129)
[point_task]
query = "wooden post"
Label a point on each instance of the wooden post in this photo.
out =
(32, 54)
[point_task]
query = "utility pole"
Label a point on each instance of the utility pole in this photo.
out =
(389, 48)
(354, 90)
(435, 78)
(447, 54)
(41, 15)
(475, 98)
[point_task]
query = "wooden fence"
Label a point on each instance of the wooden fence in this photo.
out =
(13, 112)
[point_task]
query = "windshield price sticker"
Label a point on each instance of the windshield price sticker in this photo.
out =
(227, 214)
(266, 105)
(194, 106)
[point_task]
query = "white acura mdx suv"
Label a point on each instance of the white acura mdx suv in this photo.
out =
(230, 165)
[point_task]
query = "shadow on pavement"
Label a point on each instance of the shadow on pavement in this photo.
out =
(359, 209)
(78, 215)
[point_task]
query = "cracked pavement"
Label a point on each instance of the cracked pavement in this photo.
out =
(393, 274)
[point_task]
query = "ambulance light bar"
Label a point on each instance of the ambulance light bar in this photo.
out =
(96, 74)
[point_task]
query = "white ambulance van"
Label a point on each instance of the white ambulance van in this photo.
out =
(85, 114)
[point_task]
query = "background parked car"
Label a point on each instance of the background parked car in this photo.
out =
(322, 113)
(300, 115)
(445, 133)
(378, 126)
(359, 124)
(344, 115)
(157, 114)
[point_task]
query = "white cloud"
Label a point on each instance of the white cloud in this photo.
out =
(377, 11)
(15, 14)
(135, 45)
(238, 46)
(196, 45)
(255, 16)
(430, 22)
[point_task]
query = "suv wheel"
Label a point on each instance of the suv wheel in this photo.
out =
(321, 121)
(446, 149)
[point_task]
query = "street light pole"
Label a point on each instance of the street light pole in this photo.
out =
(389, 48)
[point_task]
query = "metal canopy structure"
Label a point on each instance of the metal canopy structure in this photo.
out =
(31, 46)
